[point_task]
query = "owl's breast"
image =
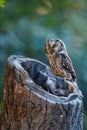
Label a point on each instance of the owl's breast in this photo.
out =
(58, 69)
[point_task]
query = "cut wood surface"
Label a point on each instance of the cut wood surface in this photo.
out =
(28, 102)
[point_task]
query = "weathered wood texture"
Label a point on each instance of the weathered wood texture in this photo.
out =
(28, 103)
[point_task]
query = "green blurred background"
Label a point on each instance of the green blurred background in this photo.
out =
(25, 25)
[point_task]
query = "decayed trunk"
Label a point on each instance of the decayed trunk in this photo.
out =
(28, 103)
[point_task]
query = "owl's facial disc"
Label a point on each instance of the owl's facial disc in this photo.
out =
(54, 46)
(48, 47)
(60, 45)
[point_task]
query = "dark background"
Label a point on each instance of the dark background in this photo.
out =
(25, 26)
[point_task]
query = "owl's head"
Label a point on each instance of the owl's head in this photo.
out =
(54, 46)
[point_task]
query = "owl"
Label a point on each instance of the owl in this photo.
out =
(60, 62)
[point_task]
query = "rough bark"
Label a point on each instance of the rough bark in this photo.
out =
(28, 103)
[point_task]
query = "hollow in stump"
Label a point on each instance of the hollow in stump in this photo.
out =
(28, 102)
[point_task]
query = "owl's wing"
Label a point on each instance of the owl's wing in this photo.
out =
(67, 64)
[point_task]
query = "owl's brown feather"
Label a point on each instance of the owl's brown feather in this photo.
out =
(66, 63)
(60, 62)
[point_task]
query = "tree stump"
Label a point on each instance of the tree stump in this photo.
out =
(28, 103)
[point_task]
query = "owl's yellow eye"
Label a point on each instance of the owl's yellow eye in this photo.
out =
(55, 45)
